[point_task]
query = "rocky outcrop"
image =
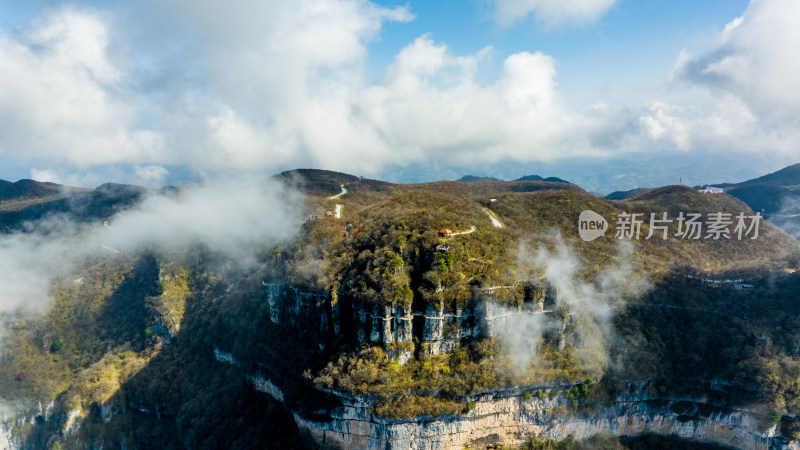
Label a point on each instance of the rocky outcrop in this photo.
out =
(11, 418)
(383, 324)
(311, 311)
(437, 328)
(6, 439)
(514, 419)
(512, 416)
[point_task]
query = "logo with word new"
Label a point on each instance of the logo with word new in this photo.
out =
(591, 225)
(688, 226)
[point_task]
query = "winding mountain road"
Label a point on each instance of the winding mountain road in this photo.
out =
(471, 230)
(334, 197)
(495, 221)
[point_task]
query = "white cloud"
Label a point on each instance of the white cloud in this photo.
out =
(752, 96)
(75, 40)
(290, 95)
(45, 176)
(57, 99)
(281, 86)
(431, 106)
(756, 60)
(284, 86)
(550, 12)
(151, 176)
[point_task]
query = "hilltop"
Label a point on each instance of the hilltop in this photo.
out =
(624, 195)
(28, 190)
(777, 195)
(533, 210)
(474, 178)
(788, 176)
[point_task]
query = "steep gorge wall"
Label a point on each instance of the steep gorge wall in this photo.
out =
(511, 416)
(393, 327)
(499, 417)
(514, 420)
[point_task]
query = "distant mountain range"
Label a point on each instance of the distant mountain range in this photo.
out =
(623, 195)
(474, 178)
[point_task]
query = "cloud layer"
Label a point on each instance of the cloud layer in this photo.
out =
(201, 85)
(550, 12)
(750, 75)
(233, 219)
(58, 100)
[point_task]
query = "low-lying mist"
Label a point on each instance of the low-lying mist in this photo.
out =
(586, 304)
(788, 217)
(234, 219)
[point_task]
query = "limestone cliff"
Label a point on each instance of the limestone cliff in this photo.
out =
(511, 419)
(394, 327)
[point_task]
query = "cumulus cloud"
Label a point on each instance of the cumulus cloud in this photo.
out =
(550, 12)
(45, 176)
(750, 75)
(430, 106)
(278, 87)
(284, 86)
(150, 175)
(306, 100)
(755, 60)
(58, 100)
(278, 81)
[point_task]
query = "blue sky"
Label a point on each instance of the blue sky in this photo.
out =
(610, 93)
(634, 43)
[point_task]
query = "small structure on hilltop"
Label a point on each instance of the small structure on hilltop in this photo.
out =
(712, 190)
(446, 233)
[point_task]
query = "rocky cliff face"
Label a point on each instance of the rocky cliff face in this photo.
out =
(6, 440)
(394, 327)
(510, 418)
(10, 420)
(504, 416)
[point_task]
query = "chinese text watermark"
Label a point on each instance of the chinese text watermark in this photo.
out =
(715, 226)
